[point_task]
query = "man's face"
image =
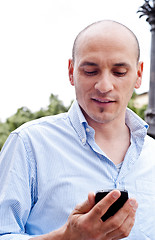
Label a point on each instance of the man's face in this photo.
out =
(105, 73)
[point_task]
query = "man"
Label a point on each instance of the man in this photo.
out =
(49, 166)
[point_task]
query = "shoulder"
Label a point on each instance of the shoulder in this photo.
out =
(37, 133)
(42, 123)
(150, 139)
(149, 143)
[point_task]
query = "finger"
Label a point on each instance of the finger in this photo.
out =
(127, 225)
(122, 222)
(91, 198)
(128, 210)
(125, 228)
(102, 206)
(85, 206)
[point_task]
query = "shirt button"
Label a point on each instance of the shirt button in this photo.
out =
(117, 184)
(83, 140)
(87, 130)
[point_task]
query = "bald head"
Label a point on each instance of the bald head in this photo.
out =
(106, 27)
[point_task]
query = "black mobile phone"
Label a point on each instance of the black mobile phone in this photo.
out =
(115, 206)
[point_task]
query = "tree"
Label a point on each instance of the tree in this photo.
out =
(139, 111)
(4, 132)
(24, 115)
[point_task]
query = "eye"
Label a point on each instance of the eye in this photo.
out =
(119, 74)
(119, 71)
(90, 73)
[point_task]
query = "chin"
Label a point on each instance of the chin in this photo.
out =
(101, 119)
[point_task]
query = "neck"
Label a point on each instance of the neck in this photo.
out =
(113, 139)
(110, 130)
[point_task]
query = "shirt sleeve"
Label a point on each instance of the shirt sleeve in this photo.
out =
(17, 187)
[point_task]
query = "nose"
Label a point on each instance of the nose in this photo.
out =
(104, 83)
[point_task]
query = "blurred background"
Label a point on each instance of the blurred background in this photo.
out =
(36, 38)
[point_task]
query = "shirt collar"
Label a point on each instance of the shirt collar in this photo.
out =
(137, 126)
(78, 121)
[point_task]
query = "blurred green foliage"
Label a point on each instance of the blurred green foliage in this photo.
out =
(23, 115)
(55, 106)
(139, 111)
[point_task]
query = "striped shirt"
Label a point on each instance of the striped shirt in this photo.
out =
(49, 165)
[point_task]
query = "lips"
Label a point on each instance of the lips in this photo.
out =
(100, 100)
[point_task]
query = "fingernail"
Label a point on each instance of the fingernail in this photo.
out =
(115, 195)
(133, 204)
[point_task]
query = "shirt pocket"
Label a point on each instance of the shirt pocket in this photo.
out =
(145, 195)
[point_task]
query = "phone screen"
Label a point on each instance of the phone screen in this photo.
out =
(115, 206)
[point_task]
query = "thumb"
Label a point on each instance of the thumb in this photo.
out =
(87, 205)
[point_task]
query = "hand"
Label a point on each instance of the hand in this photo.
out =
(85, 221)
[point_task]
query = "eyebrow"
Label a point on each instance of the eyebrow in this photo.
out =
(88, 64)
(122, 64)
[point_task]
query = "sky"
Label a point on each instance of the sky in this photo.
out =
(36, 38)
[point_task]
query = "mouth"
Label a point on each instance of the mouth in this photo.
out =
(103, 101)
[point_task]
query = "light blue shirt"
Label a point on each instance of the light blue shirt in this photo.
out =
(48, 166)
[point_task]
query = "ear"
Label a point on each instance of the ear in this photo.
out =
(70, 71)
(139, 75)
